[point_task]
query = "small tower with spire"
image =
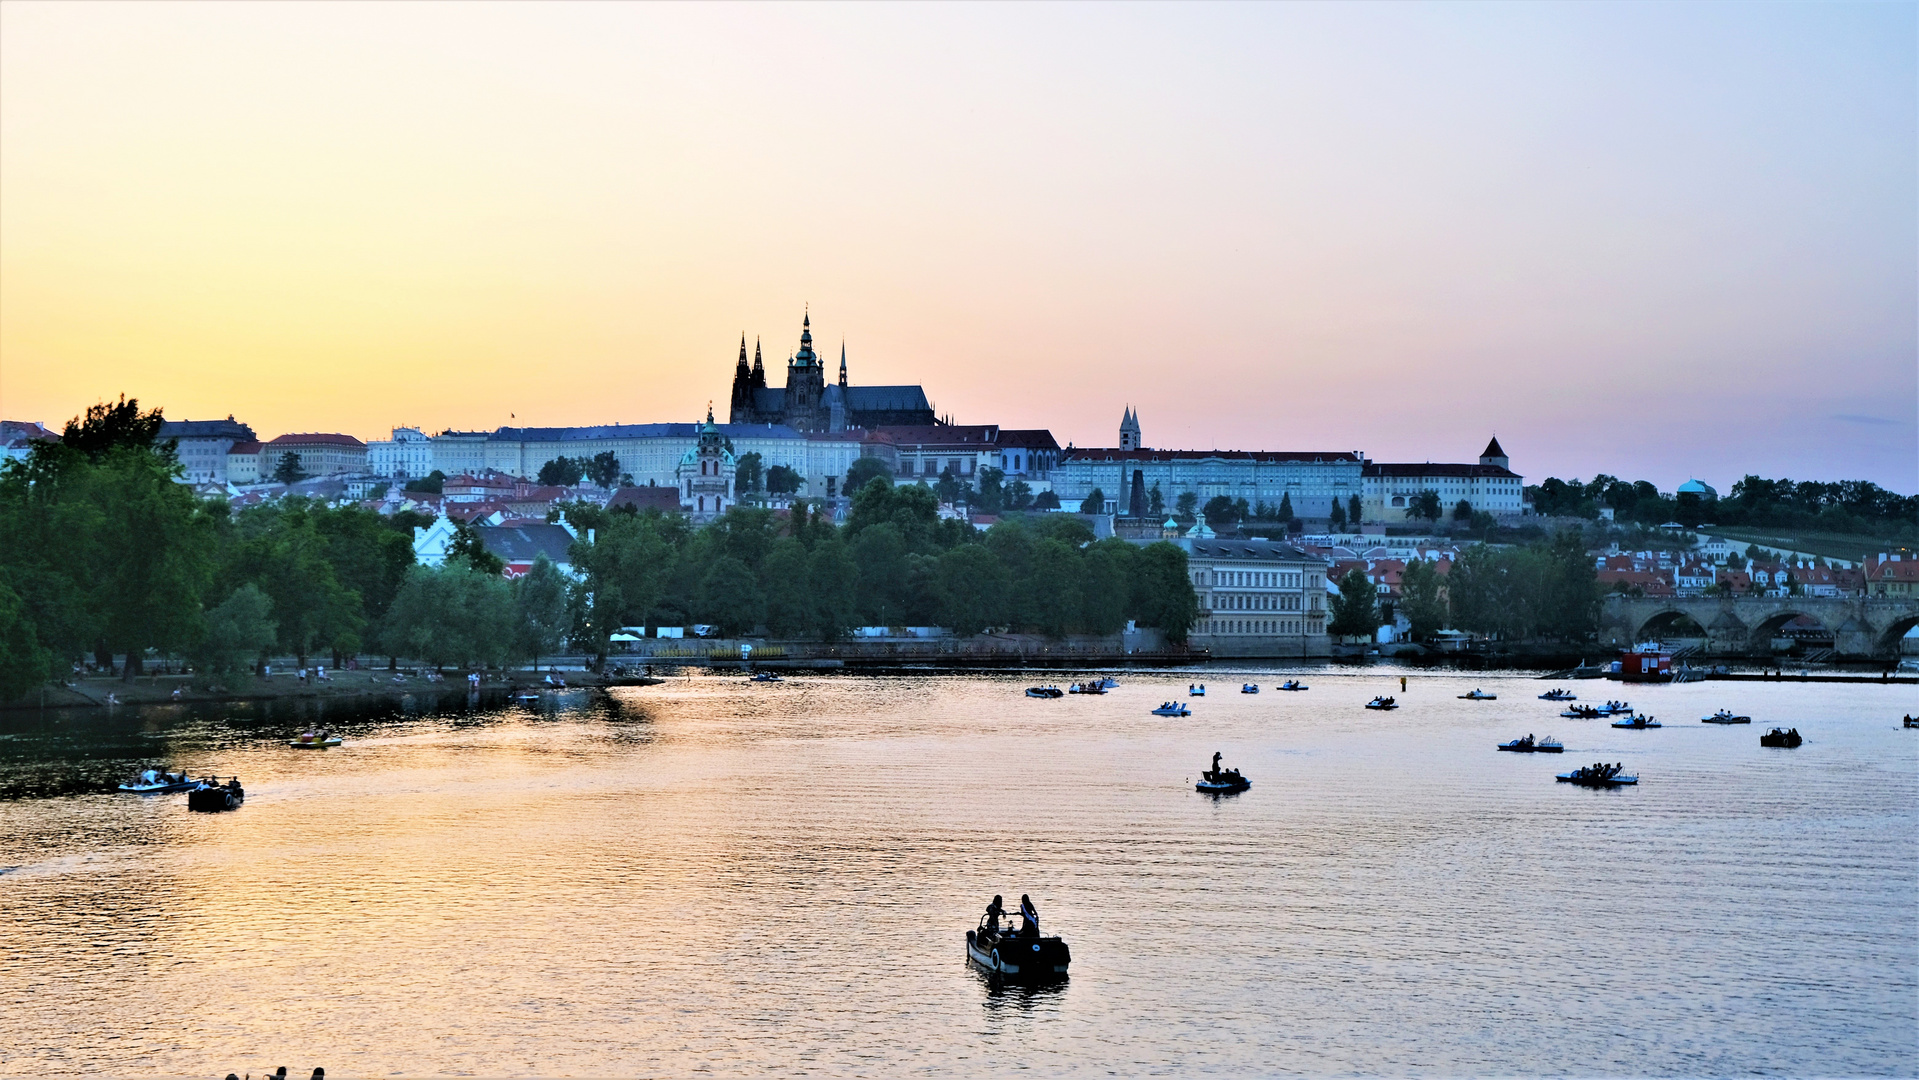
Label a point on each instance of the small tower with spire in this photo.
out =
(1129, 430)
(842, 363)
(1495, 455)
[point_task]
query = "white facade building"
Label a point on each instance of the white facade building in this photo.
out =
(705, 475)
(1311, 480)
(651, 453)
(408, 455)
(1490, 486)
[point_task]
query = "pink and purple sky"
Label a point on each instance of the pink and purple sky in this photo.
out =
(1658, 241)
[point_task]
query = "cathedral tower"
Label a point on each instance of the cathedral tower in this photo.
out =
(1129, 430)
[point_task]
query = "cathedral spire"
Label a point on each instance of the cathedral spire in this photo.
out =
(842, 363)
(742, 365)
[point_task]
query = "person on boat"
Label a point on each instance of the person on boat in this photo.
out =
(1029, 915)
(993, 912)
(1213, 773)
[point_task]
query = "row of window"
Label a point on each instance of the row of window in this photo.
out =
(1259, 626)
(1260, 602)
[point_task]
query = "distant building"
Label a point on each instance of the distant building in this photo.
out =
(1312, 480)
(649, 454)
(519, 546)
(641, 499)
(1027, 454)
(808, 403)
(1892, 574)
(319, 454)
(18, 436)
(408, 455)
(202, 447)
(1489, 486)
(243, 463)
(1257, 598)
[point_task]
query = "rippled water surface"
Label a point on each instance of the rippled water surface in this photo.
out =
(717, 876)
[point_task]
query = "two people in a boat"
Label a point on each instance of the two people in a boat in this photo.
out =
(1028, 914)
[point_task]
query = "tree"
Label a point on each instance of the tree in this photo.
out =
(992, 490)
(788, 586)
(949, 487)
(835, 587)
(1186, 507)
(1156, 500)
(1424, 505)
(1220, 511)
(434, 483)
(24, 663)
(783, 480)
(1106, 594)
(973, 587)
(452, 614)
(541, 608)
(562, 472)
(1163, 591)
(865, 471)
(1286, 507)
(603, 469)
(1336, 517)
(1353, 511)
(1421, 600)
(880, 553)
(1019, 496)
(1055, 586)
(1094, 503)
(238, 633)
(1463, 511)
(467, 547)
(730, 597)
(1046, 500)
(114, 427)
(288, 471)
(749, 473)
(1355, 610)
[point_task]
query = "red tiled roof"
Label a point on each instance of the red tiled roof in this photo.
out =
(317, 439)
(1116, 454)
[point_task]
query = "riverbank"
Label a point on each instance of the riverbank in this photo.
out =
(104, 691)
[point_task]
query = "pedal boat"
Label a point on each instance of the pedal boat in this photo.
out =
(1559, 695)
(156, 782)
(1249, 688)
(1382, 704)
(1172, 708)
(1637, 723)
(1045, 692)
(212, 796)
(1725, 716)
(1478, 695)
(1292, 684)
(1786, 739)
(314, 741)
(1582, 712)
(1597, 776)
(1527, 745)
(1225, 782)
(1017, 957)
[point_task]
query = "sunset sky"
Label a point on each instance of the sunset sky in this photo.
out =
(1654, 241)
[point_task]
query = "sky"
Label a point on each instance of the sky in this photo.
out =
(1657, 241)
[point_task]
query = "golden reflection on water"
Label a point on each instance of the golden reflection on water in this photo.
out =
(711, 875)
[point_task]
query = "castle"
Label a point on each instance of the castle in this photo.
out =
(808, 403)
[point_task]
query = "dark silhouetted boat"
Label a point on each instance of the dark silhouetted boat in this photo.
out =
(1781, 737)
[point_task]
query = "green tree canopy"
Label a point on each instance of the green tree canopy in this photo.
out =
(1355, 611)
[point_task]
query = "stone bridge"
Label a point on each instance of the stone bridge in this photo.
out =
(1859, 625)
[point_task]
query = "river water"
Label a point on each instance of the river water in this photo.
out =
(723, 877)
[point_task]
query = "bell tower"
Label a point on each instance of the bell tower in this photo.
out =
(1129, 430)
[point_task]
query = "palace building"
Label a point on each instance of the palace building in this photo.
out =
(808, 403)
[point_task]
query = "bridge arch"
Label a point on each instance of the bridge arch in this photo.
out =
(1775, 625)
(1898, 628)
(1669, 622)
